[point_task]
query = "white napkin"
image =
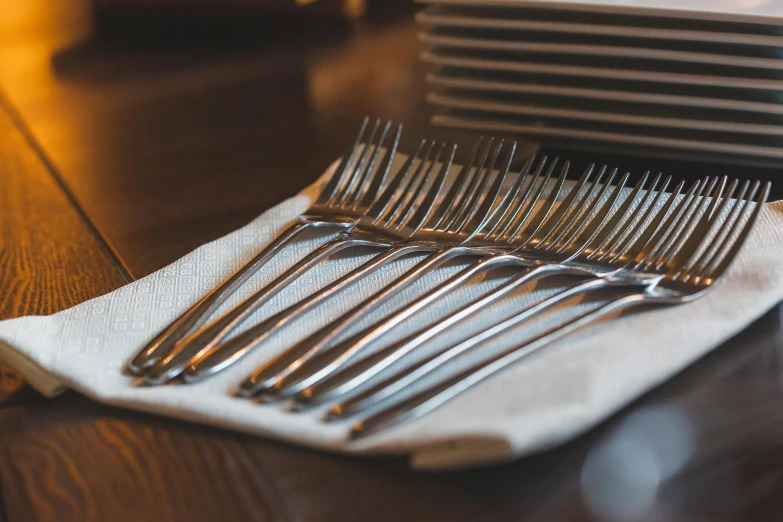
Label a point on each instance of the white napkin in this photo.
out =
(553, 396)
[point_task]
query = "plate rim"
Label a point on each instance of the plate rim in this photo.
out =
(592, 6)
(475, 104)
(592, 72)
(453, 42)
(444, 20)
(610, 95)
(603, 136)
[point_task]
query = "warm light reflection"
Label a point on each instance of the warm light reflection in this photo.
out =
(31, 32)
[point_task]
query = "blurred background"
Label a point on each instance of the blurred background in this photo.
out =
(170, 123)
(143, 108)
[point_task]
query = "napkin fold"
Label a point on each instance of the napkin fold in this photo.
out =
(550, 397)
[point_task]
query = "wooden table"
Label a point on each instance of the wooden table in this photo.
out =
(121, 153)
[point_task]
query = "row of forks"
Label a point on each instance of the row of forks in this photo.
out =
(646, 245)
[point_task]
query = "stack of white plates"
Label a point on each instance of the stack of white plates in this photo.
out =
(683, 77)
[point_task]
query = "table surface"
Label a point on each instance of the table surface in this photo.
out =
(122, 149)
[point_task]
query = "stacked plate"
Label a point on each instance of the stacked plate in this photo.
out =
(693, 78)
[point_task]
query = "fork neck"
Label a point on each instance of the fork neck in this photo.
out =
(336, 212)
(317, 218)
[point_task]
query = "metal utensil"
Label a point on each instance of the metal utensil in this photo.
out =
(455, 220)
(688, 259)
(578, 216)
(352, 187)
(399, 212)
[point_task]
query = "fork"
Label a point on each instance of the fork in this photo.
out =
(399, 212)
(640, 229)
(333, 376)
(267, 377)
(678, 268)
(347, 194)
(459, 216)
(564, 225)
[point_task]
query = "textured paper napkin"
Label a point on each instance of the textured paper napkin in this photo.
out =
(540, 402)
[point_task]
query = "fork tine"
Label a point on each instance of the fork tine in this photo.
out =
(739, 232)
(670, 223)
(720, 198)
(424, 210)
(585, 224)
(632, 246)
(550, 222)
(358, 170)
(512, 201)
(329, 191)
(382, 205)
(477, 220)
(683, 214)
(573, 213)
(488, 210)
(409, 194)
(456, 191)
(404, 194)
(520, 208)
(356, 167)
(479, 211)
(697, 215)
(507, 206)
(693, 215)
(371, 194)
(615, 237)
(533, 220)
(423, 189)
(413, 190)
(360, 185)
(693, 234)
(604, 233)
(461, 203)
(699, 263)
(589, 233)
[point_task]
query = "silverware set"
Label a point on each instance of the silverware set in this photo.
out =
(653, 244)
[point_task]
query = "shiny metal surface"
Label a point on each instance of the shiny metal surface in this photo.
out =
(348, 193)
(457, 219)
(397, 213)
(682, 263)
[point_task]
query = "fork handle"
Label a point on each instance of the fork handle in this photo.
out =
(220, 356)
(291, 380)
(344, 380)
(435, 396)
(197, 314)
(379, 392)
(324, 375)
(172, 364)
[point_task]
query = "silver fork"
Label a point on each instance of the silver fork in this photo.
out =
(333, 376)
(400, 211)
(636, 230)
(345, 197)
(275, 371)
(561, 229)
(679, 267)
(456, 219)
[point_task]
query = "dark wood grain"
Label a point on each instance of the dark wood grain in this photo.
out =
(76, 462)
(166, 139)
(49, 257)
